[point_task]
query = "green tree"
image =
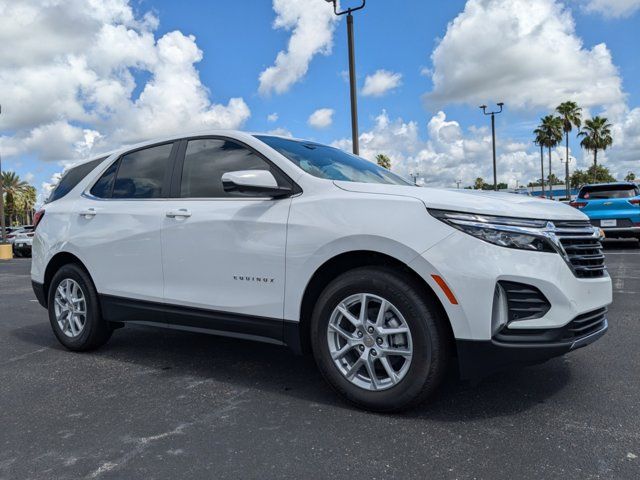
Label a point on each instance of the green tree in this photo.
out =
(24, 202)
(549, 133)
(383, 161)
(596, 135)
(571, 116)
(630, 177)
(552, 179)
(479, 184)
(594, 174)
(12, 187)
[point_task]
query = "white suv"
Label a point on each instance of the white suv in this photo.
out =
(301, 244)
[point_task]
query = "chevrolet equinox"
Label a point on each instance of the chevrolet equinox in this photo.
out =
(300, 244)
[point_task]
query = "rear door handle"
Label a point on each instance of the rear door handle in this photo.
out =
(89, 212)
(182, 212)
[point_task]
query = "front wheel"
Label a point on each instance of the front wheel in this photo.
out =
(379, 340)
(74, 311)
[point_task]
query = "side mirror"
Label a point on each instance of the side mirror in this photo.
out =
(261, 182)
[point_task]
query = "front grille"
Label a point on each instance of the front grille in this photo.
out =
(580, 327)
(524, 302)
(584, 251)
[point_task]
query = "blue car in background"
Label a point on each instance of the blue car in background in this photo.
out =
(614, 207)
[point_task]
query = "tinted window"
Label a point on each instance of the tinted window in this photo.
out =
(141, 173)
(604, 192)
(206, 160)
(331, 163)
(71, 178)
(103, 187)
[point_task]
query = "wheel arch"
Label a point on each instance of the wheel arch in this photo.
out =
(299, 338)
(55, 263)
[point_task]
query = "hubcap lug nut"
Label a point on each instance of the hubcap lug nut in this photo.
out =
(379, 341)
(361, 347)
(360, 333)
(370, 329)
(374, 353)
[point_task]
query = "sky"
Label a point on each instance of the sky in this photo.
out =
(82, 77)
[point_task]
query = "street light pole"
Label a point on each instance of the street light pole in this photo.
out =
(352, 71)
(493, 139)
(3, 230)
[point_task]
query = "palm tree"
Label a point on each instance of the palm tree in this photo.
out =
(571, 115)
(596, 136)
(383, 161)
(550, 131)
(11, 186)
(541, 141)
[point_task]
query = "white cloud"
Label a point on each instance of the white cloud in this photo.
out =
(321, 118)
(312, 24)
(273, 117)
(523, 52)
(381, 82)
(281, 132)
(613, 8)
(447, 153)
(68, 79)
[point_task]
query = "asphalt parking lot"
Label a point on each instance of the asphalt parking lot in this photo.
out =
(165, 404)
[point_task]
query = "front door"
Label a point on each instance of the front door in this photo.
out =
(224, 253)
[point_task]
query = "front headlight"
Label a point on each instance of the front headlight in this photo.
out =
(520, 233)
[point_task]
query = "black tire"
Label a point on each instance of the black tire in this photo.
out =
(96, 330)
(429, 331)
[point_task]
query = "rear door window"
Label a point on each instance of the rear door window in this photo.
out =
(605, 192)
(71, 178)
(141, 173)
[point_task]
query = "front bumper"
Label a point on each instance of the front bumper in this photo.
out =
(477, 359)
(621, 232)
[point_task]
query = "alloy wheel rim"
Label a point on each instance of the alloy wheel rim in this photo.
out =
(70, 308)
(369, 341)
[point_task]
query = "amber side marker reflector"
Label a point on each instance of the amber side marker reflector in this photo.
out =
(445, 288)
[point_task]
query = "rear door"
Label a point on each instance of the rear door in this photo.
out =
(118, 223)
(224, 252)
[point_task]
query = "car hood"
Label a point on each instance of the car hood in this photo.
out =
(474, 201)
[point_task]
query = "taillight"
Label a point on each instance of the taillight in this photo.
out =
(635, 201)
(37, 217)
(578, 204)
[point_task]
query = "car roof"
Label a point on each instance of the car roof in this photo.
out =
(611, 184)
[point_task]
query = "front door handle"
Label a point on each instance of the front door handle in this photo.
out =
(88, 213)
(182, 212)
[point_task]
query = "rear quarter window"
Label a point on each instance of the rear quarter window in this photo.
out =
(71, 178)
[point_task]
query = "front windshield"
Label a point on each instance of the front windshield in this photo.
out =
(331, 163)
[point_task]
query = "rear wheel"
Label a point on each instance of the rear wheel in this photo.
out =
(378, 341)
(74, 311)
